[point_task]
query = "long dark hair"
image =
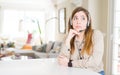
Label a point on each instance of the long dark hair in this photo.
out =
(88, 44)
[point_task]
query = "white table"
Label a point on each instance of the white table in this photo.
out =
(39, 67)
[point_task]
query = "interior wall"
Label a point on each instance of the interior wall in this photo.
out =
(95, 11)
(85, 4)
(109, 39)
(103, 27)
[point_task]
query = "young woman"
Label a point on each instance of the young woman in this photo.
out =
(83, 46)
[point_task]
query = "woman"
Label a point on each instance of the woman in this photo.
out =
(83, 46)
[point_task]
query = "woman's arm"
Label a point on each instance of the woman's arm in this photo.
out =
(65, 49)
(64, 55)
(96, 58)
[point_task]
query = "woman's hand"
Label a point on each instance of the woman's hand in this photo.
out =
(62, 60)
(71, 34)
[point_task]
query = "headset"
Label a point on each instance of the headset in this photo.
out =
(88, 23)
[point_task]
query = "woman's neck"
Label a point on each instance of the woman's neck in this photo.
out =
(80, 37)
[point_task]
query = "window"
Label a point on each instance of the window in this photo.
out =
(17, 23)
(116, 39)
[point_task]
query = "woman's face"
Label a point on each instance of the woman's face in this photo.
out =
(79, 21)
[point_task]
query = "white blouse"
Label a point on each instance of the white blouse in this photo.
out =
(93, 62)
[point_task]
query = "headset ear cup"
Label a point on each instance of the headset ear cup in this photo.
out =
(88, 24)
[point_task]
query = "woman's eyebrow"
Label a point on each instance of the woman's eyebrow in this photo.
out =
(75, 17)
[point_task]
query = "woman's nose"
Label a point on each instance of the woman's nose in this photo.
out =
(78, 22)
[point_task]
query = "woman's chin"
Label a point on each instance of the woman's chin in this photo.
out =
(78, 30)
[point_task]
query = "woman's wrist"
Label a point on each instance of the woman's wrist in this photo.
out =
(70, 63)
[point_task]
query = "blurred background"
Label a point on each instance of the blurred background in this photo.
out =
(41, 25)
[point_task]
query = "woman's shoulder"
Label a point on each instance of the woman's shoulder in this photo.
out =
(97, 34)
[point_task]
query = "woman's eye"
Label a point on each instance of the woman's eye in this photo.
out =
(83, 18)
(75, 18)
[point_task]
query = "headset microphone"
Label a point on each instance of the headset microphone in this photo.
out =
(81, 30)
